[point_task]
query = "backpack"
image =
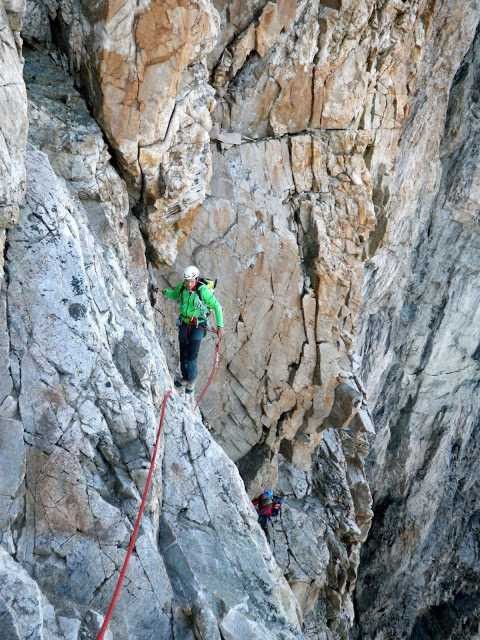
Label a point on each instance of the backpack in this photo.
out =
(208, 282)
(268, 505)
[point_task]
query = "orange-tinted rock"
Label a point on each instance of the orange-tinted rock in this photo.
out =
(146, 80)
(292, 109)
(275, 17)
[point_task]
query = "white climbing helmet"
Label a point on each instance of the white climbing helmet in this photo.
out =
(191, 273)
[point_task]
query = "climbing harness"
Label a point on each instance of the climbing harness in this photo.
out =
(136, 527)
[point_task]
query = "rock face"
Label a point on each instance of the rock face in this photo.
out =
(311, 103)
(420, 568)
(87, 374)
(13, 123)
(87, 377)
(142, 68)
(271, 403)
(24, 611)
(330, 138)
(292, 203)
(311, 159)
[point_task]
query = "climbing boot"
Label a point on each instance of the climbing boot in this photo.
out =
(178, 381)
(190, 387)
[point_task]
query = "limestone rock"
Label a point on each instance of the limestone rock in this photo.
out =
(24, 611)
(199, 536)
(327, 158)
(265, 229)
(88, 374)
(419, 569)
(13, 123)
(36, 27)
(13, 133)
(143, 72)
(271, 209)
(325, 520)
(326, 65)
(275, 17)
(320, 103)
(12, 457)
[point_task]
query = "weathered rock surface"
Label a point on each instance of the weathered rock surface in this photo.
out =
(142, 69)
(286, 227)
(13, 120)
(86, 378)
(420, 568)
(312, 102)
(289, 216)
(293, 66)
(24, 611)
(326, 149)
(263, 227)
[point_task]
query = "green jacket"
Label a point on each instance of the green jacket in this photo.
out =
(195, 304)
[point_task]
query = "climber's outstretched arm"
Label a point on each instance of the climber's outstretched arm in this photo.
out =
(173, 294)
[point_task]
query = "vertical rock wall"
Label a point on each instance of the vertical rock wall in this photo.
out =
(142, 69)
(312, 101)
(420, 568)
(13, 123)
(87, 373)
(86, 377)
(292, 205)
(320, 125)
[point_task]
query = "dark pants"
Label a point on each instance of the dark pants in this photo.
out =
(189, 338)
(264, 522)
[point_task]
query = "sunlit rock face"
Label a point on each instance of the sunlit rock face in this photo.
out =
(294, 199)
(85, 378)
(313, 101)
(420, 568)
(320, 159)
(141, 67)
(281, 357)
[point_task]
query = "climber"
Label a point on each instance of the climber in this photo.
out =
(268, 506)
(196, 300)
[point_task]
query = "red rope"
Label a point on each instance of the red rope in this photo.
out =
(136, 527)
(153, 462)
(216, 362)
